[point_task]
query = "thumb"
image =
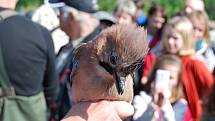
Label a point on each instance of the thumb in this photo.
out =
(123, 109)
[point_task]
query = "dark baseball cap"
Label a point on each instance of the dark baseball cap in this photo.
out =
(89, 6)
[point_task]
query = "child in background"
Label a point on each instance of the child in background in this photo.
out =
(178, 39)
(202, 40)
(164, 99)
(125, 12)
(156, 20)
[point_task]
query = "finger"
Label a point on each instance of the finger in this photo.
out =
(123, 109)
(114, 117)
(160, 99)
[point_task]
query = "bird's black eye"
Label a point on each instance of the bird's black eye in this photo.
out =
(113, 58)
(107, 67)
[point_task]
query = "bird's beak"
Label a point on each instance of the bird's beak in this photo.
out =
(120, 83)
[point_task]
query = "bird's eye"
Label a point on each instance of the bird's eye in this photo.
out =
(107, 67)
(113, 58)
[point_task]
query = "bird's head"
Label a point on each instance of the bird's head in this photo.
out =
(113, 56)
(121, 50)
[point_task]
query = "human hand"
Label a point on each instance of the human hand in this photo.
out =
(161, 95)
(144, 80)
(100, 111)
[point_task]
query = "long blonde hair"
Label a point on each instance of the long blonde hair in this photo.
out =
(202, 17)
(184, 27)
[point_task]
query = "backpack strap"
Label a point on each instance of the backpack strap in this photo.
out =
(4, 14)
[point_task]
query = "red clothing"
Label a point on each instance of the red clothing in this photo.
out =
(150, 57)
(197, 81)
(188, 115)
(154, 42)
(148, 63)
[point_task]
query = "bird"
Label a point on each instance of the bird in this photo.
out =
(103, 68)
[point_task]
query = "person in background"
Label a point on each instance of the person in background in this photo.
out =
(198, 5)
(47, 16)
(157, 18)
(164, 99)
(140, 16)
(80, 25)
(106, 19)
(178, 39)
(202, 39)
(193, 5)
(28, 76)
(125, 12)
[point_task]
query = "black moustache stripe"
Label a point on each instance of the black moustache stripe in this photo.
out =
(107, 67)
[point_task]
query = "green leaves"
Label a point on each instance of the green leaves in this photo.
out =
(26, 3)
(210, 8)
(107, 5)
(171, 6)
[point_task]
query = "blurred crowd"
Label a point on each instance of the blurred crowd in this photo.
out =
(175, 82)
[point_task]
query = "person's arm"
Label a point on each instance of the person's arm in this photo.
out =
(50, 84)
(100, 111)
(204, 77)
(143, 107)
(168, 112)
(148, 63)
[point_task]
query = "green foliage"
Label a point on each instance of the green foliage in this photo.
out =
(28, 5)
(210, 8)
(171, 6)
(106, 5)
(25, 3)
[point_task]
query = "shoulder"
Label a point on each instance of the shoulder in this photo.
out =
(182, 103)
(24, 23)
(193, 60)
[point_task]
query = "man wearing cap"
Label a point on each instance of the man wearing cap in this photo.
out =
(77, 21)
(27, 67)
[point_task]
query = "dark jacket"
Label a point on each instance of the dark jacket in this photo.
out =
(29, 58)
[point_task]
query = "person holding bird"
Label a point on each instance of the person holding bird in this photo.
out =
(102, 74)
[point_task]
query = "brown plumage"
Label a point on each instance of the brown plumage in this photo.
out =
(106, 64)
